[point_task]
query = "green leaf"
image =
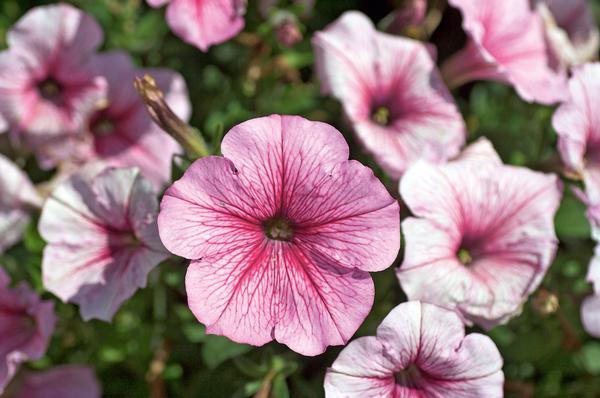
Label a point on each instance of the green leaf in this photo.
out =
(590, 357)
(570, 219)
(279, 388)
(218, 349)
(32, 239)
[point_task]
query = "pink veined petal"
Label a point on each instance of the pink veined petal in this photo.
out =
(268, 290)
(593, 274)
(136, 141)
(18, 197)
(201, 222)
(506, 44)
(301, 178)
(287, 152)
(571, 30)
(68, 381)
(50, 45)
(3, 124)
(502, 215)
(309, 289)
(204, 23)
(344, 219)
(576, 123)
(119, 71)
(44, 31)
(26, 324)
(157, 3)
(394, 73)
(590, 315)
(359, 371)
(102, 239)
(481, 150)
(420, 350)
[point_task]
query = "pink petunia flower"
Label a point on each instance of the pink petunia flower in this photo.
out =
(17, 197)
(47, 88)
(578, 127)
(26, 324)
(204, 23)
(282, 232)
(507, 44)
(420, 350)
(123, 134)
(391, 92)
(482, 236)
(102, 239)
(67, 381)
(571, 30)
(590, 308)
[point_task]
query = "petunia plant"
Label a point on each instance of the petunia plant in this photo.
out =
(299, 198)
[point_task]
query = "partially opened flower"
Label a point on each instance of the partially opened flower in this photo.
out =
(122, 134)
(102, 239)
(204, 23)
(571, 30)
(391, 91)
(420, 350)
(68, 381)
(410, 13)
(482, 236)
(47, 88)
(282, 231)
(26, 324)
(507, 44)
(578, 127)
(590, 308)
(17, 198)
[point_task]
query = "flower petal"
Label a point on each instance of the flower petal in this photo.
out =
(102, 239)
(255, 293)
(68, 381)
(397, 74)
(204, 23)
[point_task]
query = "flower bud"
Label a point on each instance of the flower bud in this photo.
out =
(165, 118)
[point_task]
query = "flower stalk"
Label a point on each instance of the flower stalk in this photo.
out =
(189, 137)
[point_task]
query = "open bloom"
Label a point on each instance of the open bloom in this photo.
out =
(102, 239)
(420, 350)
(578, 127)
(507, 44)
(122, 134)
(47, 87)
(68, 381)
(482, 237)
(571, 30)
(26, 324)
(203, 23)
(282, 231)
(590, 308)
(391, 92)
(17, 197)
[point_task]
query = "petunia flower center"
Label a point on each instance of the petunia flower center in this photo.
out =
(103, 126)
(50, 90)
(409, 377)
(464, 256)
(119, 240)
(381, 115)
(29, 323)
(278, 228)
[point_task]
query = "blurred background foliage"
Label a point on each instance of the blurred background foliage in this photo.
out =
(156, 348)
